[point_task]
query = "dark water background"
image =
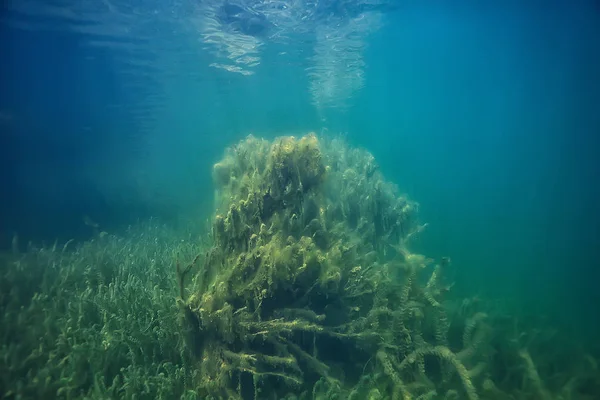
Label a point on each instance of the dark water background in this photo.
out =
(486, 113)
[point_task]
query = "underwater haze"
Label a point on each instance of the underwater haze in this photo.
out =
(300, 199)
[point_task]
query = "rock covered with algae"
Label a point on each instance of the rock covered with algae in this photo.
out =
(309, 289)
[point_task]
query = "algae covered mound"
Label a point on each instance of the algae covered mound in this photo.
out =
(309, 289)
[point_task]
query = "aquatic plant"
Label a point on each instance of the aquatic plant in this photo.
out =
(96, 320)
(305, 287)
(310, 287)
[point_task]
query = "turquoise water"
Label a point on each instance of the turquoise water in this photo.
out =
(486, 114)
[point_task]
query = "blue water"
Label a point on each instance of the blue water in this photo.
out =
(485, 113)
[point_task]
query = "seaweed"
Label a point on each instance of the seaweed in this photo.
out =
(310, 283)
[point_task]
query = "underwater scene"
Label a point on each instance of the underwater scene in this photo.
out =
(300, 200)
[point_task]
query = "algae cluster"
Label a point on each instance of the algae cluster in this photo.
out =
(304, 288)
(310, 289)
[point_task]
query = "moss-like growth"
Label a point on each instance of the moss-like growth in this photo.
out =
(310, 277)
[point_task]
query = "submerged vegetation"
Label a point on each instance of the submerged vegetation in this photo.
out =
(303, 288)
